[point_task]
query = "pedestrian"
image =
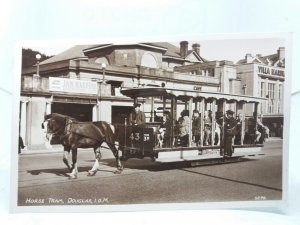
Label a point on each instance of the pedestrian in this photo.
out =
(21, 144)
(184, 128)
(136, 117)
(229, 132)
(196, 126)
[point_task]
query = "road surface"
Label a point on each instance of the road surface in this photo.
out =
(43, 180)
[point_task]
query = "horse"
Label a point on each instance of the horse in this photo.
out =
(74, 134)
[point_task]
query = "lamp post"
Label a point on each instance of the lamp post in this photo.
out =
(103, 67)
(38, 58)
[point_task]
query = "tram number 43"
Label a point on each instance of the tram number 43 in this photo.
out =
(136, 137)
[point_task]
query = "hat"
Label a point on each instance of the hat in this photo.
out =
(229, 112)
(195, 111)
(136, 105)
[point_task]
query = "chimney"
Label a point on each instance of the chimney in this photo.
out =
(248, 58)
(184, 48)
(196, 48)
(281, 53)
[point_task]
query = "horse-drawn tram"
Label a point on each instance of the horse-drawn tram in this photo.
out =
(190, 125)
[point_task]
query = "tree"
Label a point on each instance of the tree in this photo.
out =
(28, 57)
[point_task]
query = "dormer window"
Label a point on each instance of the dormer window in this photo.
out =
(149, 60)
(102, 60)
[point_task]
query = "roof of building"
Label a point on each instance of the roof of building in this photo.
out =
(269, 60)
(71, 53)
(172, 50)
(78, 52)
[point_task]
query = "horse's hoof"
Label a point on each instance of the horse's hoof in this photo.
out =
(118, 172)
(91, 173)
(72, 176)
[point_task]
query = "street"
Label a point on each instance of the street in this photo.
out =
(43, 180)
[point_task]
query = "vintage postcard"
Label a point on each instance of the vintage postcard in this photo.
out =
(185, 123)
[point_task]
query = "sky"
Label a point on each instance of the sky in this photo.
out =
(211, 49)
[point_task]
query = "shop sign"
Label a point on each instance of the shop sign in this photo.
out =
(270, 71)
(72, 86)
(197, 88)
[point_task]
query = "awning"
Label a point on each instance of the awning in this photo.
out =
(182, 94)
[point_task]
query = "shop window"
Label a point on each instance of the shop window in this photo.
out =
(271, 90)
(115, 87)
(262, 89)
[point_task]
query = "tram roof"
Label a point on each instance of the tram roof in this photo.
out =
(182, 93)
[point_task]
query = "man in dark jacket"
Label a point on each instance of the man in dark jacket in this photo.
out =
(136, 117)
(229, 132)
(196, 126)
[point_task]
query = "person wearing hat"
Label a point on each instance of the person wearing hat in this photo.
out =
(196, 126)
(207, 127)
(238, 136)
(136, 117)
(167, 124)
(229, 132)
(183, 125)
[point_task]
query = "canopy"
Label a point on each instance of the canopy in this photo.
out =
(182, 94)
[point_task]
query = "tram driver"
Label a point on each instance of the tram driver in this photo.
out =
(136, 117)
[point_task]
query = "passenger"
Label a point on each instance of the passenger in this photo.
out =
(238, 136)
(218, 128)
(136, 117)
(230, 131)
(196, 127)
(167, 125)
(207, 127)
(184, 128)
(157, 118)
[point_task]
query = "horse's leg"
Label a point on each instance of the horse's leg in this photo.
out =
(96, 165)
(116, 154)
(66, 157)
(74, 173)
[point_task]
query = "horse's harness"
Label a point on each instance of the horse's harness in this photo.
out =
(66, 128)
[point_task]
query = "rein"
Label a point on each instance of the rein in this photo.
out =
(60, 129)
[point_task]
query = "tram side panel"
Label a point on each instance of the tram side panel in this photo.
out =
(136, 141)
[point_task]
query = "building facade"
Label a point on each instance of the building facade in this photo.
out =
(264, 76)
(85, 81)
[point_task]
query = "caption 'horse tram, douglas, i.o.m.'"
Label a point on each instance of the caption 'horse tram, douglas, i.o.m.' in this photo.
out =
(171, 132)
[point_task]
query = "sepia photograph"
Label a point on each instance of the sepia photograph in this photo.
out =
(191, 121)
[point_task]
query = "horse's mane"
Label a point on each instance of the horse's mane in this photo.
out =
(58, 115)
